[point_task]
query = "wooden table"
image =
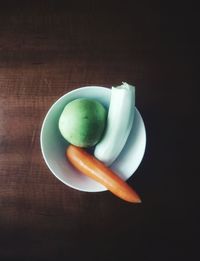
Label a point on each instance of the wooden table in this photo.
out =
(48, 48)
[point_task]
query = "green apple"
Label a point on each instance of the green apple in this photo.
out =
(82, 122)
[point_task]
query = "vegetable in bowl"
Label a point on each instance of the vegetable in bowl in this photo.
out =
(82, 122)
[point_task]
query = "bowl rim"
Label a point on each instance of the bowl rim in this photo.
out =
(42, 130)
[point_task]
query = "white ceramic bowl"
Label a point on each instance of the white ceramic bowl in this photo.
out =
(53, 145)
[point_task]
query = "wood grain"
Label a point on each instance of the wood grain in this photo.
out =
(48, 48)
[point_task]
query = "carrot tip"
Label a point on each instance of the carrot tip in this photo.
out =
(137, 200)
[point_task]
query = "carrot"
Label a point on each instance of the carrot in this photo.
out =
(95, 169)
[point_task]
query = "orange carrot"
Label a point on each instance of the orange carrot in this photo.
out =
(95, 169)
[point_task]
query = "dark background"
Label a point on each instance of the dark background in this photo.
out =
(48, 48)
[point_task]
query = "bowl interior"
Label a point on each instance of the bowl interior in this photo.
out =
(53, 145)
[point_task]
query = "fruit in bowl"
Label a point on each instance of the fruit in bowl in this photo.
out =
(82, 122)
(54, 146)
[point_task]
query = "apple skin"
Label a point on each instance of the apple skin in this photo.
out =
(82, 122)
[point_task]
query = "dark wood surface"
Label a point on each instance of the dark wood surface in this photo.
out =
(48, 48)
